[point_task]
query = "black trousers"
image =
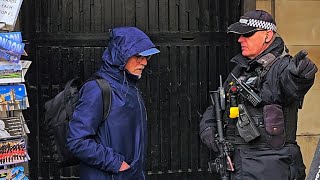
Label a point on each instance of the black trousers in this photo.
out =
(264, 163)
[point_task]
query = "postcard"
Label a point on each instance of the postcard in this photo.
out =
(13, 151)
(11, 47)
(11, 127)
(16, 114)
(11, 72)
(13, 97)
(15, 173)
(16, 36)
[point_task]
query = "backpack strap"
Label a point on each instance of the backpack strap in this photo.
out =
(106, 95)
(106, 92)
(68, 93)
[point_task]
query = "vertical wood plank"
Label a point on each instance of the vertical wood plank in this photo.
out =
(86, 16)
(130, 14)
(214, 14)
(118, 12)
(204, 15)
(164, 113)
(53, 16)
(75, 16)
(153, 18)
(64, 22)
(98, 51)
(193, 15)
(141, 14)
(44, 16)
(108, 20)
(183, 16)
(155, 121)
(184, 111)
(173, 15)
(195, 103)
(204, 97)
(163, 15)
(87, 61)
(96, 14)
(174, 111)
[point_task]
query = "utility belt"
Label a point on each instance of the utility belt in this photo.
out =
(272, 125)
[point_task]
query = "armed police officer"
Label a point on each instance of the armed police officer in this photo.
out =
(262, 96)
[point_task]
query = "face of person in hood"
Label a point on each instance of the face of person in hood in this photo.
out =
(136, 64)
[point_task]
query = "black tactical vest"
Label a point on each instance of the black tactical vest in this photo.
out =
(276, 123)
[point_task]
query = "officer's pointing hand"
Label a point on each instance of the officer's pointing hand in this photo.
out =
(302, 66)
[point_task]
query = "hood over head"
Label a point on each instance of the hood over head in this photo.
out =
(125, 42)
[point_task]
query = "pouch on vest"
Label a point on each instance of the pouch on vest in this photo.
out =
(274, 124)
(245, 125)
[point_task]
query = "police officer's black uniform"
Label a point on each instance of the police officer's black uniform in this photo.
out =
(281, 84)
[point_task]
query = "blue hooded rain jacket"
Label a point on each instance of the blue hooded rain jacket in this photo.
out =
(103, 144)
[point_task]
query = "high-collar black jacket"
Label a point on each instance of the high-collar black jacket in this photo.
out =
(278, 85)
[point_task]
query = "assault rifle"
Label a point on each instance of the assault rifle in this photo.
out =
(247, 92)
(223, 162)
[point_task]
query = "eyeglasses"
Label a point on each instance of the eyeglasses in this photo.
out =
(140, 58)
(252, 33)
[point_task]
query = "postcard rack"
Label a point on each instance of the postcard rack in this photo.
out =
(13, 100)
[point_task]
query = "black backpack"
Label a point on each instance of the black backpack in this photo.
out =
(58, 113)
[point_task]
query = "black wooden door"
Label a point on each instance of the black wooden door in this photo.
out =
(66, 38)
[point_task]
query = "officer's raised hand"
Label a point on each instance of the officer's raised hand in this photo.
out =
(302, 67)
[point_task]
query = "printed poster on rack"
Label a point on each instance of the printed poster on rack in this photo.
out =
(11, 127)
(15, 173)
(13, 97)
(13, 151)
(11, 46)
(9, 10)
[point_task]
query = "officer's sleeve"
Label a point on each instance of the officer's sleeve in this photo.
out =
(208, 120)
(297, 79)
(82, 141)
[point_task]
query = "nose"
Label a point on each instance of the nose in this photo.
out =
(240, 39)
(144, 61)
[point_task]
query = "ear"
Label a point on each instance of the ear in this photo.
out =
(269, 36)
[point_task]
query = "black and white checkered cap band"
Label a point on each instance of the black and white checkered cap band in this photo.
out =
(259, 24)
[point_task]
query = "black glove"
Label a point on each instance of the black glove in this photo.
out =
(208, 137)
(301, 66)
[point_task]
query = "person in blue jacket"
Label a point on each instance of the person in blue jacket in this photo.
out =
(114, 148)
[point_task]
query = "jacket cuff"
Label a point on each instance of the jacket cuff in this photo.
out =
(116, 163)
